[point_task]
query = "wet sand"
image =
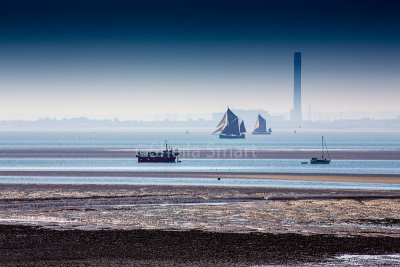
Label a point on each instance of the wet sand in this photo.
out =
(364, 154)
(217, 209)
(132, 225)
(365, 178)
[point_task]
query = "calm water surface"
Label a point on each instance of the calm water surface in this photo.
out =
(199, 139)
(201, 165)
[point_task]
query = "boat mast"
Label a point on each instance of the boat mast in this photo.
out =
(322, 146)
(327, 152)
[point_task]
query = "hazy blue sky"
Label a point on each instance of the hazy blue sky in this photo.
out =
(119, 58)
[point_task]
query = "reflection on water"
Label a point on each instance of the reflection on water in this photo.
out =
(203, 165)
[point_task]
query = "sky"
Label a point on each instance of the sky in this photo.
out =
(129, 59)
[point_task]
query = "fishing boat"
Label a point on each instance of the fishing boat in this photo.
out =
(261, 126)
(323, 159)
(167, 155)
(230, 127)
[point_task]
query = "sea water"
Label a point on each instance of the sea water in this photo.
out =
(199, 139)
(201, 165)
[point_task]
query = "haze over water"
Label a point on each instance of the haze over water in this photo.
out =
(134, 58)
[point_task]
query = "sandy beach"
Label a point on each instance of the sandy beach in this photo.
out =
(122, 225)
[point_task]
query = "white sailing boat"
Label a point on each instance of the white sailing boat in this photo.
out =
(230, 128)
(261, 126)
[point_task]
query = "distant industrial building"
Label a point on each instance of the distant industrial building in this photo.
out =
(295, 113)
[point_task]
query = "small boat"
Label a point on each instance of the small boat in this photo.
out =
(323, 159)
(304, 162)
(261, 126)
(167, 155)
(230, 128)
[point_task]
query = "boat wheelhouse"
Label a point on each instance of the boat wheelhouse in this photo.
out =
(167, 155)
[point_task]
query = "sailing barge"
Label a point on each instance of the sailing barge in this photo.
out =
(167, 155)
(230, 128)
(261, 126)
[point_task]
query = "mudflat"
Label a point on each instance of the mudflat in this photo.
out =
(31, 246)
(125, 225)
(219, 209)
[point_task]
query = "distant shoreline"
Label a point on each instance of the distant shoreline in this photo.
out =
(339, 154)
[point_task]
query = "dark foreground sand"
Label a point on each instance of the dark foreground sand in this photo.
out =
(132, 225)
(29, 246)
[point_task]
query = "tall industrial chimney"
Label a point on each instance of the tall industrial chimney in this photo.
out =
(296, 111)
